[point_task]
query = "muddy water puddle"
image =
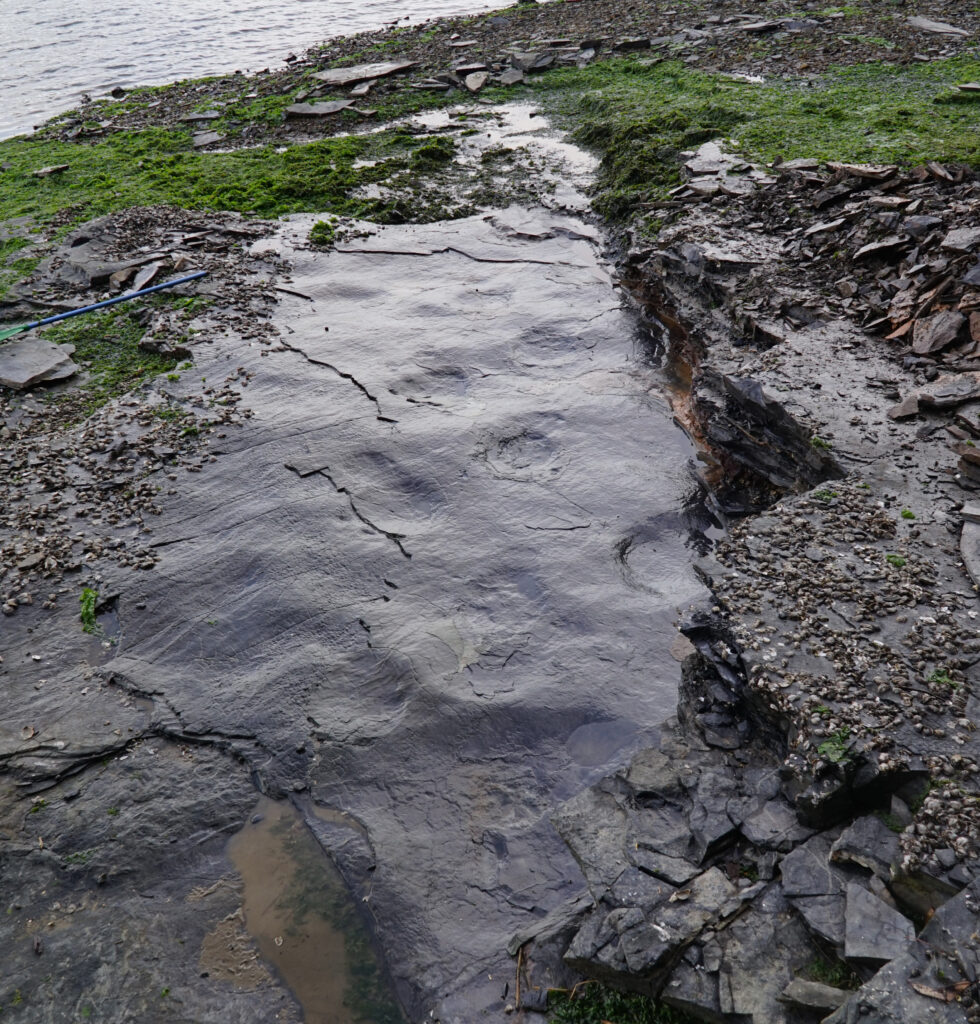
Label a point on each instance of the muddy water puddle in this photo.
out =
(301, 915)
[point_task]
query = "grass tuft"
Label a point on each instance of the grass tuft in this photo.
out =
(593, 1003)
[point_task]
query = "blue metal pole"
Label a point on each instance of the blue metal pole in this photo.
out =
(112, 302)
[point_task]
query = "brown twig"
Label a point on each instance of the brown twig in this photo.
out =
(517, 994)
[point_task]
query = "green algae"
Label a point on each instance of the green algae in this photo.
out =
(640, 114)
(15, 267)
(160, 166)
(107, 347)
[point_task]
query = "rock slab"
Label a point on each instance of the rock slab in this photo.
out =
(318, 109)
(30, 361)
(872, 929)
(362, 72)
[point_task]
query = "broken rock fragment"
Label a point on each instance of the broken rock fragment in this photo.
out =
(873, 930)
(870, 843)
(962, 239)
(951, 390)
(887, 248)
(941, 28)
(317, 109)
(30, 361)
(812, 995)
(936, 332)
(533, 61)
(362, 72)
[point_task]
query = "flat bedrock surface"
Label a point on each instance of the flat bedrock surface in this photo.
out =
(431, 581)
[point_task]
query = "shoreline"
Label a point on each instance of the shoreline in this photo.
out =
(828, 715)
(105, 80)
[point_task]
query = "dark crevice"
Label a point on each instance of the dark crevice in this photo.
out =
(340, 373)
(395, 538)
(558, 529)
(181, 733)
(459, 252)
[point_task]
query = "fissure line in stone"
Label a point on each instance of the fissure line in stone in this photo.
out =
(340, 373)
(395, 538)
(459, 252)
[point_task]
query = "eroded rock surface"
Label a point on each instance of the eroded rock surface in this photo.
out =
(428, 582)
(842, 637)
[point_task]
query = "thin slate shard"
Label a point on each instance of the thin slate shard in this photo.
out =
(362, 72)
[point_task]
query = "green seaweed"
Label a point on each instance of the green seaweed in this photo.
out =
(88, 601)
(640, 114)
(835, 749)
(107, 346)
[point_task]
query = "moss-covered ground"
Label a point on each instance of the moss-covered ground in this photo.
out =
(160, 166)
(640, 114)
(592, 1003)
(107, 348)
(636, 112)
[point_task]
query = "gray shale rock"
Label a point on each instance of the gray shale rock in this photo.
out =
(775, 826)
(28, 361)
(811, 995)
(870, 843)
(924, 983)
(533, 61)
(318, 109)
(759, 434)
(362, 72)
(941, 28)
(970, 550)
(872, 929)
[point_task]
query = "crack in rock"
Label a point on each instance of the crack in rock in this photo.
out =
(559, 529)
(459, 252)
(216, 738)
(340, 373)
(395, 538)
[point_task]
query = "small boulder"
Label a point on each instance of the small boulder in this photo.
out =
(870, 843)
(936, 332)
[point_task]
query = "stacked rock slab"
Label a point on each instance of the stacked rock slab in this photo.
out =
(826, 758)
(708, 894)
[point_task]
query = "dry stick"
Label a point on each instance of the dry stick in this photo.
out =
(517, 995)
(579, 984)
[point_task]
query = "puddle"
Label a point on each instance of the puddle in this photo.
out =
(300, 914)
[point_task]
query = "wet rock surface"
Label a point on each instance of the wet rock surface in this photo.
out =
(119, 898)
(420, 603)
(412, 555)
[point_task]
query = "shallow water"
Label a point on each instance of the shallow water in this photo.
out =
(301, 915)
(55, 50)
